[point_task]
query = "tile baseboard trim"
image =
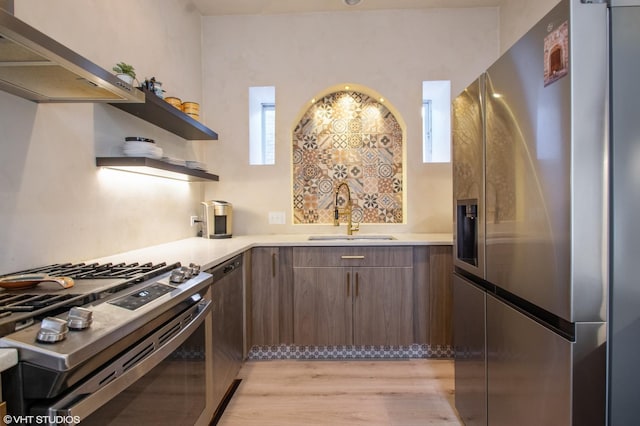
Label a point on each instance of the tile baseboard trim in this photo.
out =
(267, 352)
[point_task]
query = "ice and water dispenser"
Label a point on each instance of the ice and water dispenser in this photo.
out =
(467, 231)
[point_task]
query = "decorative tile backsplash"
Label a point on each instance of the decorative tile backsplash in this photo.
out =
(350, 137)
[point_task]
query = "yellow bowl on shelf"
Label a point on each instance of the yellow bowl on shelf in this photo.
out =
(191, 107)
(176, 102)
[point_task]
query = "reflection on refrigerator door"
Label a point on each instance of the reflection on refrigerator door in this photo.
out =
(470, 354)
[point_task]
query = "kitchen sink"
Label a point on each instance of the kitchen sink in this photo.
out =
(351, 237)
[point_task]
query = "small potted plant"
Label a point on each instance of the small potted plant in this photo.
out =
(125, 72)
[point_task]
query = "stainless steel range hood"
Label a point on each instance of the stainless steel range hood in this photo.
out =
(38, 68)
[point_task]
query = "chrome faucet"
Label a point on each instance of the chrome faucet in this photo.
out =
(346, 211)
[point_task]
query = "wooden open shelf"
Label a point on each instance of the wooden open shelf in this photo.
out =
(150, 166)
(158, 112)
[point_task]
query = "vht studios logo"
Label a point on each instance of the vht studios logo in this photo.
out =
(41, 420)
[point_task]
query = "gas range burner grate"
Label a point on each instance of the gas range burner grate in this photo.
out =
(22, 307)
(30, 302)
(94, 271)
(21, 310)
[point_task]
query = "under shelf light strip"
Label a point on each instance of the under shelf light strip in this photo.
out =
(150, 171)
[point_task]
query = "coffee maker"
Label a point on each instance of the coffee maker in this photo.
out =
(217, 218)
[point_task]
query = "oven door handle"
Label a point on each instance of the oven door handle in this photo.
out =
(94, 394)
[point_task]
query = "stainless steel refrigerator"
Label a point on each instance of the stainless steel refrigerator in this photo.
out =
(531, 196)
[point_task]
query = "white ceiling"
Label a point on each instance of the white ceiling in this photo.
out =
(266, 7)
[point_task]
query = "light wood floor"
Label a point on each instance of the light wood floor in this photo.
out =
(399, 393)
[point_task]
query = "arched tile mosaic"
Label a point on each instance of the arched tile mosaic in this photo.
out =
(348, 136)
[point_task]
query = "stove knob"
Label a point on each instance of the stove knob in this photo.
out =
(187, 272)
(52, 330)
(177, 276)
(79, 318)
(195, 269)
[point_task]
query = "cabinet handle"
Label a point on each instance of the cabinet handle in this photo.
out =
(352, 257)
(273, 265)
(348, 284)
(357, 284)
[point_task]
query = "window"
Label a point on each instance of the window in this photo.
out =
(262, 125)
(269, 133)
(427, 130)
(436, 121)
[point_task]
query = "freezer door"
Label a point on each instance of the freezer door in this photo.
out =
(545, 164)
(536, 377)
(470, 352)
(468, 178)
(528, 370)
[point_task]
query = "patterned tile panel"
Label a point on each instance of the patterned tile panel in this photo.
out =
(349, 352)
(348, 137)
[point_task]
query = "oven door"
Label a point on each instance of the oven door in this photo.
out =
(161, 380)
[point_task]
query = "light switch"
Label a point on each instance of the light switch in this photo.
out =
(276, 218)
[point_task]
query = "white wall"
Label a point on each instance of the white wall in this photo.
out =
(390, 52)
(518, 16)
(55, 205)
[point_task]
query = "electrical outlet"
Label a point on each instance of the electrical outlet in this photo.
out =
(276, 218)
(193, 220)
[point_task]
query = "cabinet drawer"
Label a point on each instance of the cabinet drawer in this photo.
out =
(352, 256)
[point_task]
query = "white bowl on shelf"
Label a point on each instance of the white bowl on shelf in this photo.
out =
(142, 149)
(196, 165)
(174, 161)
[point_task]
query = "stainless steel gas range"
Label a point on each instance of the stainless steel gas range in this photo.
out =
(110, 348)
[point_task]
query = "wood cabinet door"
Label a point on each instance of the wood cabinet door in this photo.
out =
(322, 306)
(227, 336)
(271, 296)
(383, 306)
(433, 272)
(264, 296)
(440, 295)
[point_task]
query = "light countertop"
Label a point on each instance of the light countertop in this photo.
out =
(211, 252)
(8, 358)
